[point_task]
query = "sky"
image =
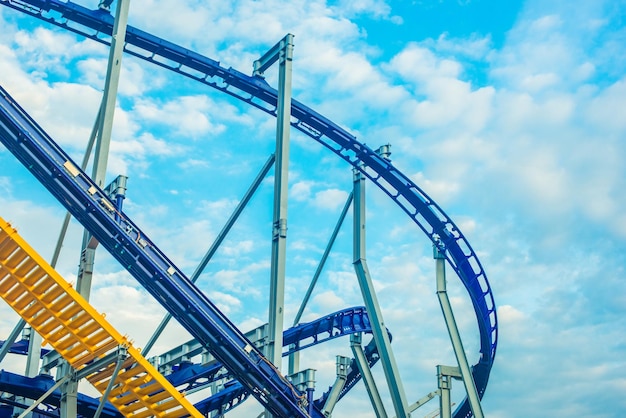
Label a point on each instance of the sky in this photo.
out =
(510, 115)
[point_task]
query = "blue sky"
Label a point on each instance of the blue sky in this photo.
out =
(511, 115)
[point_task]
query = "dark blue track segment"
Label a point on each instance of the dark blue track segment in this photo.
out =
(146, 263)
(21, 347)
(429, 217)
(188, 376)
(34, 387)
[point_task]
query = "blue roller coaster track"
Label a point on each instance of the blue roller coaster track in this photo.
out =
(191, 376)
(157, 274)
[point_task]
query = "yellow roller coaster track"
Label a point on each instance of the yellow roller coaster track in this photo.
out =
(80, 334)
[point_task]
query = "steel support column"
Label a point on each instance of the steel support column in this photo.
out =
(69, 393)
(445, 384)
(455, 337)
(379, 330)
(342, 372)
(279, 233)
(83, 282)
(105, 127)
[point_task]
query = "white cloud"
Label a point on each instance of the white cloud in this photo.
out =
(329, 301)
(188, 115)
(301, 190)
(330, 198)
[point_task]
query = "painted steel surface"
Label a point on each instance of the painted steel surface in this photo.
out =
(428, 216)
(144, 261)
(34, 387)
(80, 334)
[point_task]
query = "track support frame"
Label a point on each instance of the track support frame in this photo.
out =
(455, 336)
(379, 330)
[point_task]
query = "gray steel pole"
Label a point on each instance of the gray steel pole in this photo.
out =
(83, 282)
(43, 397)
(105, 126)
(279, 229)
(374, 312)
(445, 407)
(455, 337)
(12, 337)
(322, 262)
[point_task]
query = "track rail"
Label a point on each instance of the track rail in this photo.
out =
(81, 335)
(91, 206)
(35, 387)
(338, 324)
(426, 214)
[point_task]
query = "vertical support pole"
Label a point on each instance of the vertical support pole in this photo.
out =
(279, 232)
(374, 312)
(445, 406)
(83, 282)
(455, 337)
(105, 127)
(34, 353)
(69, 393)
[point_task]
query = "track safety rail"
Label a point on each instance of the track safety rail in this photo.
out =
(188, 376)
(80, 334)
(144, 261)
(338, 324)
(21, 347)
(34, 387)
(426, 214)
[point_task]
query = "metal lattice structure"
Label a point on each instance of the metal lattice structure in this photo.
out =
(234, 353)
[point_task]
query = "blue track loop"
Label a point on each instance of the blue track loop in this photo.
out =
(428, 216)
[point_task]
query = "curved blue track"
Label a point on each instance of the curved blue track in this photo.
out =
(428, 216)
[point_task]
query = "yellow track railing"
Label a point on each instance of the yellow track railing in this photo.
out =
(80, 334)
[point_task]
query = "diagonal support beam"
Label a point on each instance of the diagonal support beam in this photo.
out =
(379, 331)
(216, 244)
(45, 395)
(368, 378)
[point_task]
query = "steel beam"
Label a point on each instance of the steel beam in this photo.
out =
(103, 142)
(368, 378)
(379, 331)
(122, 354)
(11, 339)
(342, 372)
(284, 55)
(455, 336)
(43, 397)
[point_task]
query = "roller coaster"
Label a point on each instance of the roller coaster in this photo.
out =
(235, 365)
